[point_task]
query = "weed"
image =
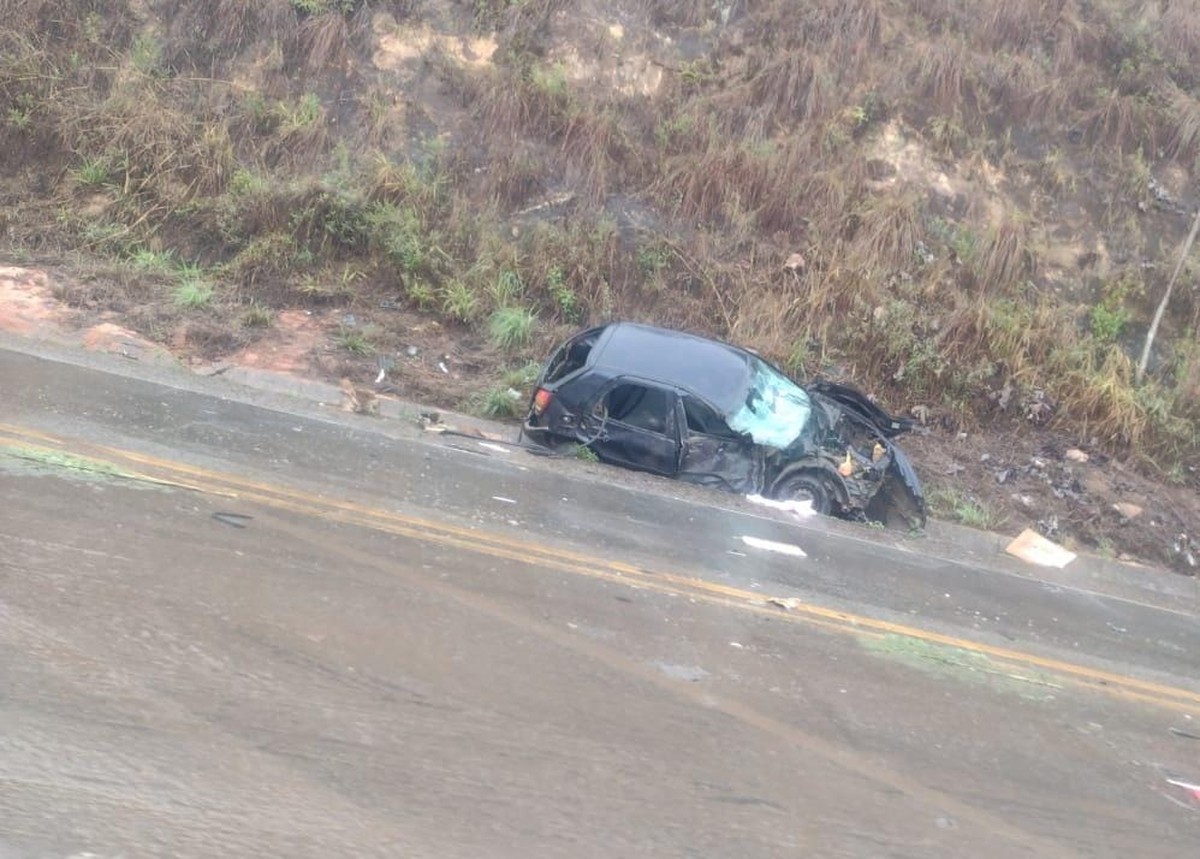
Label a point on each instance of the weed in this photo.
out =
(511, 328)
(93, 173)
(563, 296)
(354, 340)
(1109, 318)
(550, 80)
(244, 183)
(508, 289)
(20, 115)
(193, 293)
(698, 72)
(325, 7)
(947, 503)
(153, 261)
(523, 376)
(585, 454)
(674, 130)
(946, 134)
(256, 316)
(146, 54)
(273, 253)
(1107, 322)
(459, 301)
(501, 403)
(421, 294)
(653, 258)
(798, 359)
(488, 14)
(398, 232)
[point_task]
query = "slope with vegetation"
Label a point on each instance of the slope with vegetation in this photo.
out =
(967, 208)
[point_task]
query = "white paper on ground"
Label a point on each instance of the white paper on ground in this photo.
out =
(772, 546)
(1033, 547)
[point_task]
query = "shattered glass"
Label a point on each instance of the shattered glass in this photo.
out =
(776, 409)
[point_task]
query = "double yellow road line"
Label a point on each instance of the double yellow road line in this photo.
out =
(538, 555)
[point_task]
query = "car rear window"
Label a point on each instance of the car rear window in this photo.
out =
(571, 356)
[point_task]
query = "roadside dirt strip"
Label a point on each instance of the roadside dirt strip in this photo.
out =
(130, 465)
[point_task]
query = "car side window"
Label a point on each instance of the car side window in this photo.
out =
(636, 406)
(702, 419)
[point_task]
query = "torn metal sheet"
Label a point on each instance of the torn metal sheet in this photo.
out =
(716, 415)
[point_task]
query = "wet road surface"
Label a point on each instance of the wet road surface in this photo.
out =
(233, 631)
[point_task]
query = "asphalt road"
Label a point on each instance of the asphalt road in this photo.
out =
(231, 630)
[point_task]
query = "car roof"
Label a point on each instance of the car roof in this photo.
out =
(715, 371)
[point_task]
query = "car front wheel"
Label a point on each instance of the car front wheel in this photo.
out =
(806, 486)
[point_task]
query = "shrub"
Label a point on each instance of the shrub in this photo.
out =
(512, 328)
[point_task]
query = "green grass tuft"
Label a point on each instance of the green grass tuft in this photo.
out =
(511, 328)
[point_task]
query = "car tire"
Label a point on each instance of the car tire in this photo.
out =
(807, 486)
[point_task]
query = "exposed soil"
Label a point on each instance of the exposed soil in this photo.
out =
(1015, 477)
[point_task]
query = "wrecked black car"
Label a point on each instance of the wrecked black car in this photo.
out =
(709, 413)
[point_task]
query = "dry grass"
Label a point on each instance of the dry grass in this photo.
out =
(323, 43)
(1076, 40)
(793, 88)
(1005, 258)
(943, 74)
(889, 231)
(1178, 31)
(226, 27)
(598, 151)
(1183, 118)
(1015, 24)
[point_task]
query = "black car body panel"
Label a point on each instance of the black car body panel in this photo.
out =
(709, 413)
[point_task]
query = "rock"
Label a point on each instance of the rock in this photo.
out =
(1127, 510)
(1075, 455)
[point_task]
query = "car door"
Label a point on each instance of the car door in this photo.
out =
(635, 424)
(714, 455)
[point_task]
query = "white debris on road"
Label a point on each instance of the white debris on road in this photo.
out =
(772, 546)
(798, 508)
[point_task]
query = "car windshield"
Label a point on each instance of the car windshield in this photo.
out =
(776, 409)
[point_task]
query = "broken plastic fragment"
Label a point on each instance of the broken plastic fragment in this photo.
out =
(773, 546)
(1033, 547)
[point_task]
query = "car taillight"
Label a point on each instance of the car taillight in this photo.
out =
(541, 401)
